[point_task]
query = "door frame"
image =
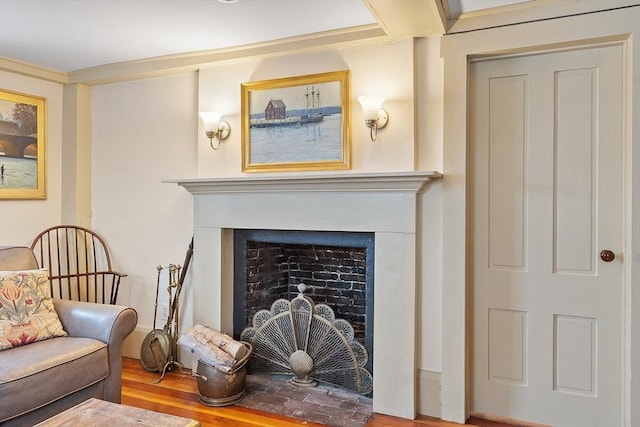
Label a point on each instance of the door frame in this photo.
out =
(457, 50)
(532, 71)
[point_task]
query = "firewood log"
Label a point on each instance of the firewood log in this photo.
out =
(206, 351)
(234, 348)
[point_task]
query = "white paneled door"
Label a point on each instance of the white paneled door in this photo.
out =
(548, 221)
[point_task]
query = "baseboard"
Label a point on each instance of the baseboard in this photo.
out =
(429, 393)
(132, 344)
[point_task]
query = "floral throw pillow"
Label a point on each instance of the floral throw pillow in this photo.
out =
(26, 310)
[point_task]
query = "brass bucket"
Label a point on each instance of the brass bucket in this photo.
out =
(219, 388)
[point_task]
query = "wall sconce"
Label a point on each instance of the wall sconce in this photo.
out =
(375, 116)
(214, 127)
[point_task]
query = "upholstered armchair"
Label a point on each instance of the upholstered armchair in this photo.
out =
(45, 377)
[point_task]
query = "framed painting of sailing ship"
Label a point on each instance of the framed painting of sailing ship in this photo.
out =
(22, 146)
(296, 123)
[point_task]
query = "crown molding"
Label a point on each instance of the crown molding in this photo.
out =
(185, 62)
(30, 70)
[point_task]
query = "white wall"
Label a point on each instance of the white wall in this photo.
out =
(145, 132)
(22, 220)
(384, 69)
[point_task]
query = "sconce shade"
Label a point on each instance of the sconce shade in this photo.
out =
(211, 120)
(214, 128)
(370, 106)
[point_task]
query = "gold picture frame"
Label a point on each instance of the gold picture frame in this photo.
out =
(297, 123)
(22, 146)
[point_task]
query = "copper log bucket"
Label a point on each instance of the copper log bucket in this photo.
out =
(219, 388)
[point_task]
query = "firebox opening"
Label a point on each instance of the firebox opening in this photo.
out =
(336, 266)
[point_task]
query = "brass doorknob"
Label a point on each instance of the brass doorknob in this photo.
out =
(607, 256)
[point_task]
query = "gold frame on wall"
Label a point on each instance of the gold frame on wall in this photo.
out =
(22, 142)
(311, 133)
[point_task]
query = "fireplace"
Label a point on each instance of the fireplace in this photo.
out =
(383, 204)
(337, 267)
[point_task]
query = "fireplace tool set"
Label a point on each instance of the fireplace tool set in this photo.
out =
(159, 351)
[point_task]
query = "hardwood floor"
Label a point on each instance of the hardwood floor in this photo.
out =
(177, 394)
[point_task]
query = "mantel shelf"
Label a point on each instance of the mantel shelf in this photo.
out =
(360, 182)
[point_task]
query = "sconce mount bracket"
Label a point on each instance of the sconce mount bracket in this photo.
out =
(383, 118)
(223, 130)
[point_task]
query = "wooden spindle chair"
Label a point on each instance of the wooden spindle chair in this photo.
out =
(79, 264)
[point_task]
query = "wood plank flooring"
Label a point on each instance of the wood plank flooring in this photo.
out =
(177, 394)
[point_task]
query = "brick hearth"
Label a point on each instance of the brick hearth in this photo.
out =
(322, 404)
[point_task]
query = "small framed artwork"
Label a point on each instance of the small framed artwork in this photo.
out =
(296, 123)
(22, 146)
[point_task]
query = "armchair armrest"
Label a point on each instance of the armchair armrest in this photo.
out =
(110, 324)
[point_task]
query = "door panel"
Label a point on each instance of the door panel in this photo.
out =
(547, 167)
(507, 179)
(576, 126)
(575, 355)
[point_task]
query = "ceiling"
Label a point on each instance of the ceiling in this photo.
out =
(69, 35)
(72, 35)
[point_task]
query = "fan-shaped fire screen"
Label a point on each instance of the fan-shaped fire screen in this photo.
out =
(307, 340)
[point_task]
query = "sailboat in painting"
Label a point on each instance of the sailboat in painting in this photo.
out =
(312, 112)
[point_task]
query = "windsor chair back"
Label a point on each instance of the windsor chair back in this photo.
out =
(79, 264)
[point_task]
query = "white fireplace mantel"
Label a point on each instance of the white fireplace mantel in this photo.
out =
(383, 203)
(404, 181)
